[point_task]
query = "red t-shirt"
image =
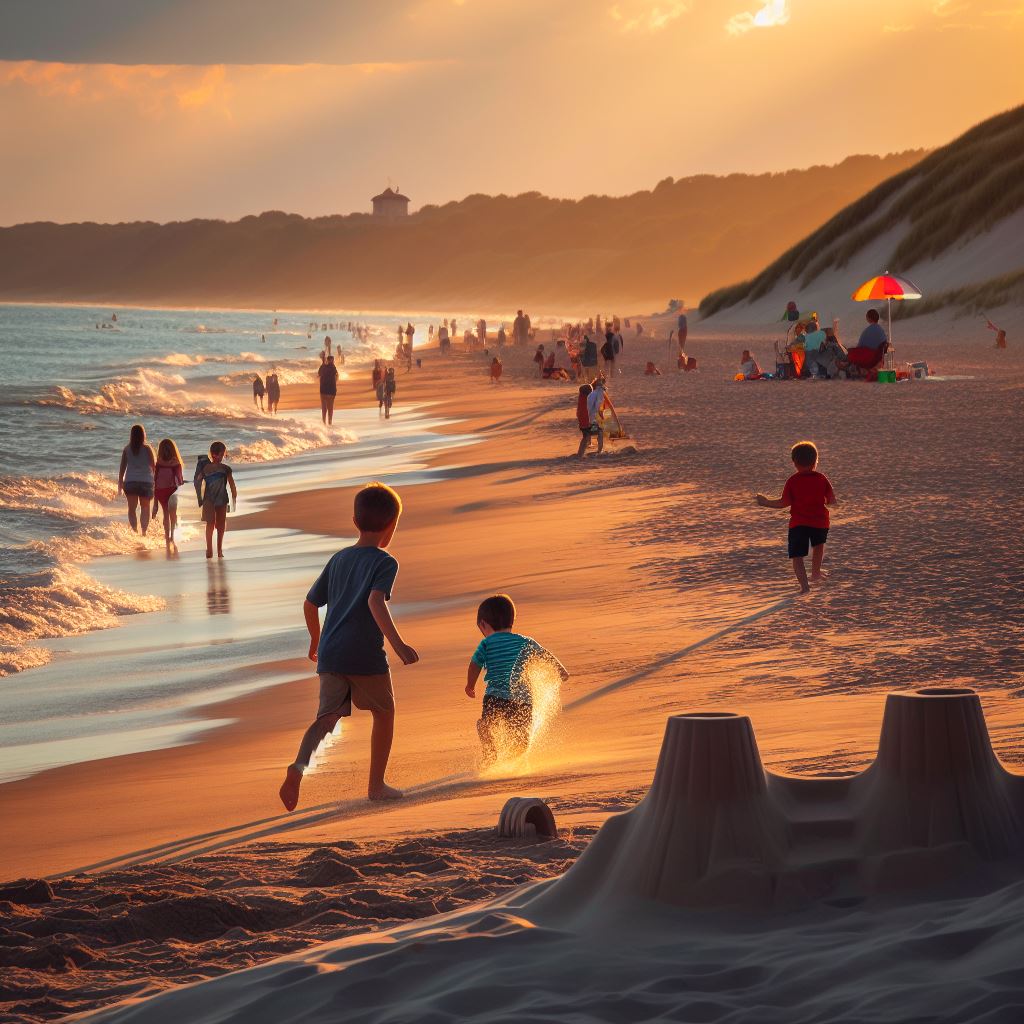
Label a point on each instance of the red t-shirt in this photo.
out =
(582, 416)
(806, 494)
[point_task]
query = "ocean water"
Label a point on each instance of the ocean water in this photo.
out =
(74, 383)
(70, 567)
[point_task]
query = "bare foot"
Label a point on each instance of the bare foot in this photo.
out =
(819, 577)
(385, 792)
(209, 553)
(289, 791)
(805, 590)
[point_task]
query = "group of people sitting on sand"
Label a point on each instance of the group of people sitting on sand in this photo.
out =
(816, 351)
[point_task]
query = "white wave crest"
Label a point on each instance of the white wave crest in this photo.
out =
(62, 601)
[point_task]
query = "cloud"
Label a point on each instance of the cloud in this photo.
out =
(644, 16)
(771, 14)
(159, 89)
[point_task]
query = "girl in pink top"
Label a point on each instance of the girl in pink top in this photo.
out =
(167, 479)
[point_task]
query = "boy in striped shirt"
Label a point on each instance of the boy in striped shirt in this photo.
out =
(507, 718)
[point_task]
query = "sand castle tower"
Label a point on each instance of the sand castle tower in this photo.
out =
(705, 834)
(937, 780)
(717, 830)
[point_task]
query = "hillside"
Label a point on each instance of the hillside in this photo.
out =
(953, 223)
(491, 252)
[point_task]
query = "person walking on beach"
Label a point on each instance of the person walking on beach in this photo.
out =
(682, 329)
(135, 477)
(217, 479)
(390, 387)
(608, 352)
(595, 405)
(588, 358)
(808, 495)
(273, 392)
(409, 332)
(481, 332)
(355, 585)
(496, 370)
(328, 374)
(167, 478)
(587, 429)
(258, 390)
(506, 721)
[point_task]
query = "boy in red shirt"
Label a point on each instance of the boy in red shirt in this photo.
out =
(807, 495)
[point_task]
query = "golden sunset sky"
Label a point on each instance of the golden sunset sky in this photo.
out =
(151, 109)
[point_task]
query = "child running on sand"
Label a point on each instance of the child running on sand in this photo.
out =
(349, 653)
(807, 494)
(507, 719)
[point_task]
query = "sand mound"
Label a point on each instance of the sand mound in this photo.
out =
(82, 942)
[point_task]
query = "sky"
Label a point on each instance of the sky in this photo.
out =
(116, 110)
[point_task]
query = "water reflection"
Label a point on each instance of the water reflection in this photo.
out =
(218, 592)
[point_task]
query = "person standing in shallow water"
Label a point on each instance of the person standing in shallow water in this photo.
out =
(167, 478)
(273, 392)
(328, 374)
(135, 477)
(218, 480)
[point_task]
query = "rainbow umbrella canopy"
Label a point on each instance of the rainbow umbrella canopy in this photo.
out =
(887, 286)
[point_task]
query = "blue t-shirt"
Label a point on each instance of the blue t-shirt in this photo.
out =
(873, 336)
(351, 642)
(814, 340)
(502, 656)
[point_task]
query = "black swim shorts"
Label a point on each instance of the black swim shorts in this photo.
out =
(803, 537)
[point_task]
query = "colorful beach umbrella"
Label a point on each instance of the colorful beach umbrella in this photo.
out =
(887, 286)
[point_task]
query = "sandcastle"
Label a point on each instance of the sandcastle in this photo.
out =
(717, 829)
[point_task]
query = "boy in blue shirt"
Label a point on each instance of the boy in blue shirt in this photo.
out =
(356, 586)
(507, 718)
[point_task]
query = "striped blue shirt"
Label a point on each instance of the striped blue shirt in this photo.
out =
(502, 656)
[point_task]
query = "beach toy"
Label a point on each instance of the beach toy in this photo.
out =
(526, 817)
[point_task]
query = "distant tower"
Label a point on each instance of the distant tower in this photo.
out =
(390, 205)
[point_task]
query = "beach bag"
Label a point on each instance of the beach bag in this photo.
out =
(198, 479)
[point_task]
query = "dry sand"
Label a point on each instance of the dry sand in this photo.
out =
(663, 589)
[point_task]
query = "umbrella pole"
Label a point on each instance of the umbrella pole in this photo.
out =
(890, 323)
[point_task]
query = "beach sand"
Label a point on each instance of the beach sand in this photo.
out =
(655, 579)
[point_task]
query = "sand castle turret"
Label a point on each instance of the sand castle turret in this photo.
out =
(706, 833)
(717, 829)
(937, 780)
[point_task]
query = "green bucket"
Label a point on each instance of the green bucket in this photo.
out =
(886, 376)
